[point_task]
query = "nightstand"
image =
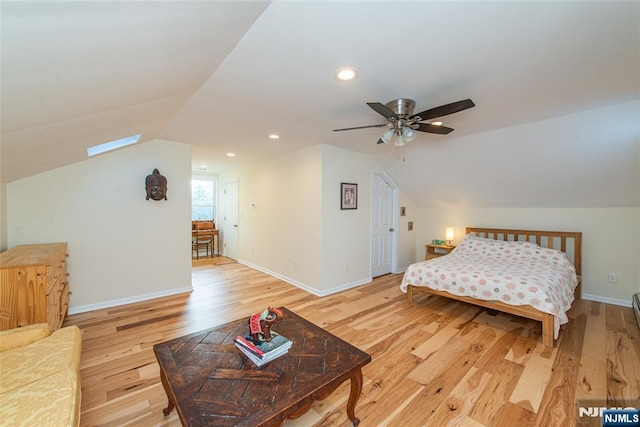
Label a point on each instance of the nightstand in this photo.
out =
(434, 251)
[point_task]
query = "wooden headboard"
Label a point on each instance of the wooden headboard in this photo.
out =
(568, 242)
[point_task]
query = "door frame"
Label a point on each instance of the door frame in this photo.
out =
(394, 221)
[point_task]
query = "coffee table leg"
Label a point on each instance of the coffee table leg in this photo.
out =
(166, 411)
(356, 389)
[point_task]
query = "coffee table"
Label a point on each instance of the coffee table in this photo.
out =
(210, 382)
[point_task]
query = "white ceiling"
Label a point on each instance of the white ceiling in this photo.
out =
(222, 76)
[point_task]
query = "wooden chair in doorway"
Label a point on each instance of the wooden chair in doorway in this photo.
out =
(202, 234)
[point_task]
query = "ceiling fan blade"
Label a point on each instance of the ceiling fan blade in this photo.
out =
(382, 109)
(360, 127)
(428, 127)
(445, 110)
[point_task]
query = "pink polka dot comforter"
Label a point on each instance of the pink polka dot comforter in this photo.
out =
(516, 273)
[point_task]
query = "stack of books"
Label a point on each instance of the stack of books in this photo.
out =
(264, 351)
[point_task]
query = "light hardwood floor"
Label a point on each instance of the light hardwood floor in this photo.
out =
(437, 362)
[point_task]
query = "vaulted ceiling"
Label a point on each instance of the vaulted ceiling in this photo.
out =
(556, 87)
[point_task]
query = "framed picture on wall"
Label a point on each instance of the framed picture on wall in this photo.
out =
(348, 196)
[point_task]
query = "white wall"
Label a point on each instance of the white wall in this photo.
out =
(346, 234)
(121, 247)
(408, 252)
(280, 224)
(610, 239)
(124, 248)
(291, 224)
(3, 217)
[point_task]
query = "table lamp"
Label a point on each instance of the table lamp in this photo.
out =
(448, 235)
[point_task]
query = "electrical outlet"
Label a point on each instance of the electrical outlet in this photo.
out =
(613, 277)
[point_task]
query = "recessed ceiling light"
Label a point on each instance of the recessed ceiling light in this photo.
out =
(231, 154)
(436, 123)
(274, 136)
(346, 74)
(112, 145)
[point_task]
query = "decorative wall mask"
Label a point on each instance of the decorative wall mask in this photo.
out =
(156, 186)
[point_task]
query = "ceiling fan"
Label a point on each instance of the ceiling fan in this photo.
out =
(403, 123)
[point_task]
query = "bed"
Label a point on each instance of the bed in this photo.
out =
(528, 273)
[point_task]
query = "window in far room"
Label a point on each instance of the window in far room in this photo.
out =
(203, 199)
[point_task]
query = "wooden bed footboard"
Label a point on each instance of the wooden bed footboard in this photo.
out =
(568, 242)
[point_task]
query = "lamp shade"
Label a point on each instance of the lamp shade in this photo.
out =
(409, 134)
(448, 234)
(386, 137)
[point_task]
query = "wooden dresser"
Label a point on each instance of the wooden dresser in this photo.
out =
(33, 285)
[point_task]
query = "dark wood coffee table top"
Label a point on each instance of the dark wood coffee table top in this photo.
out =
(211, 382)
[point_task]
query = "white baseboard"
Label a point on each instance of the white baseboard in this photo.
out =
(607, 300)
(306, 287)
(345, 287)
(140, 298)
(129, 300)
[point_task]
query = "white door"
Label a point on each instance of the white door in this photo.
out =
(382, 232)
(230, 219)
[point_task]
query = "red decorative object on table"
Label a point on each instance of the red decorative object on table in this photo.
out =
(260, 323)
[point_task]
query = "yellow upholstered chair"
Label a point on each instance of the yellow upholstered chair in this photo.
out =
(40, 376)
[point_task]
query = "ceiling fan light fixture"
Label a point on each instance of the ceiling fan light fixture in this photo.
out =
(408, 134)
(386, 137)
(403, 122)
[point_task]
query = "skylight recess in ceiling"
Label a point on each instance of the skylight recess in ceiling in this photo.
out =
(112, 145)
